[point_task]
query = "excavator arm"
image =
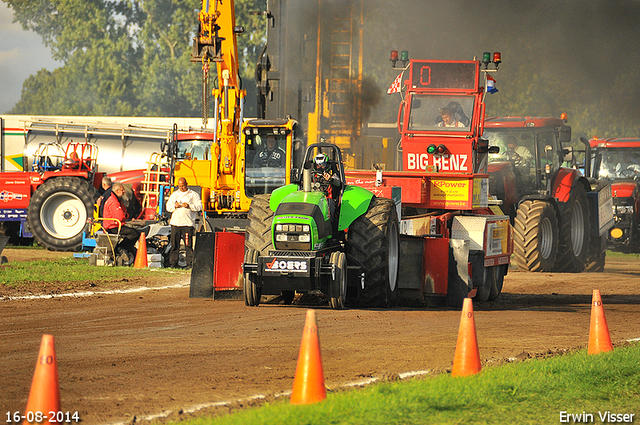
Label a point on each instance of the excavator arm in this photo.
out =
(216, 42)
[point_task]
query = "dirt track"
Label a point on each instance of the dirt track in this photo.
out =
(158, 352)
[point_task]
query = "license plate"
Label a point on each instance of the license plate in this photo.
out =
(286, 265)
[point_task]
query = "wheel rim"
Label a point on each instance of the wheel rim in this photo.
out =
(546, 238)
(577, 228)
(63, 215)
(393, 256)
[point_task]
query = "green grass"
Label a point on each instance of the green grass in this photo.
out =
(64, 270)
(531, 392)
(622, 255)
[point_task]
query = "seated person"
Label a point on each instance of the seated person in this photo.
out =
(326, 174)
(628, 166)
(520, 155)
(448, 118)
(115, 209)
(271, 155)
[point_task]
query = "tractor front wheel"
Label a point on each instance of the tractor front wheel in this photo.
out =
(497, 282)
(338, 281)
(252, 292)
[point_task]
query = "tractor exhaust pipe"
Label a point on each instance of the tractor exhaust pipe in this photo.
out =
(306, 179)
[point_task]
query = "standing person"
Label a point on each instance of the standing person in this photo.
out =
(183, 204)
(106, 194)
(115, 209)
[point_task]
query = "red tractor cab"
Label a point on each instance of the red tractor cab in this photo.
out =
(617, 161)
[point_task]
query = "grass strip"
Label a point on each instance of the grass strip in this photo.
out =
(530, 392)
(43, 272)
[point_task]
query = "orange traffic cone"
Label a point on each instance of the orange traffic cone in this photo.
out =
(308, 384)
(44, 396)
(466, 360)
(599, 338)
(141, 256)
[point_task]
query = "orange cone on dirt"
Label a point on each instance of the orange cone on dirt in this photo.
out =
(141, 256)
(599, 338)
(466, 360)
(308, 384)
(44, 396)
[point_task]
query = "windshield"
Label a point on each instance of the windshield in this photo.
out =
(266, 159)
(440, 113)
(618, 163)
(193, 149)
(515, 145)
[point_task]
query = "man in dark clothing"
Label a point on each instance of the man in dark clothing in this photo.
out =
(106, 194)
(271, 155)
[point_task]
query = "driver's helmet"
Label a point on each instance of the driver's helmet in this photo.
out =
(321, 162)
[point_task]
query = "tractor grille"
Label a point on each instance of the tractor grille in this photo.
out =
(290, 254)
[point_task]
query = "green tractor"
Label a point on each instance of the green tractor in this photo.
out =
(293, 244)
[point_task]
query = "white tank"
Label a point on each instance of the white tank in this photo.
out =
(124, 143)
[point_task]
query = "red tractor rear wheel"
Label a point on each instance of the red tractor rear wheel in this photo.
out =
(535, 236)
(574, 232)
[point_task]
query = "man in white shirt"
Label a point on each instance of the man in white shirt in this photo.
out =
(183, 204)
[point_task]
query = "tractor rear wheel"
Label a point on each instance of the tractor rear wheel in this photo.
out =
(58, 212)
(258, 231)
(373, 243)
(574, 232)
(338, 281)
(535, 236)
(252, 292)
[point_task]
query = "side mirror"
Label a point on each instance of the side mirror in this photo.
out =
(568, 154)
(564, 134)
(494, 149)
(295, 175)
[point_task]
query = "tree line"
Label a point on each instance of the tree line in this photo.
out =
(131, 57)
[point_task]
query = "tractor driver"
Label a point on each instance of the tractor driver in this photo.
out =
(271, 155)
(325, 173)
(520, 155)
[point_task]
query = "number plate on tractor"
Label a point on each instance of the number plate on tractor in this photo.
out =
(286, 265)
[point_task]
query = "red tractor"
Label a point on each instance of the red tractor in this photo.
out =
(617, 161)
(554, 211)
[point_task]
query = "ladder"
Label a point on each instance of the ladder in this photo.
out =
(154, 177)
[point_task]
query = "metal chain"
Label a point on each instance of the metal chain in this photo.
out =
(205, 92)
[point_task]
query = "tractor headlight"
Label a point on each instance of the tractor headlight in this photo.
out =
(623, 209)
(293, 236)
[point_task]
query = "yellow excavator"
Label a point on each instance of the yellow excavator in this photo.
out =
(234, 161)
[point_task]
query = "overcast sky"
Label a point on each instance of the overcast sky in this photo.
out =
(21, 54)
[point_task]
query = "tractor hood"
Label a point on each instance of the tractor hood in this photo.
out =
(495, 167)
(623, 189)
